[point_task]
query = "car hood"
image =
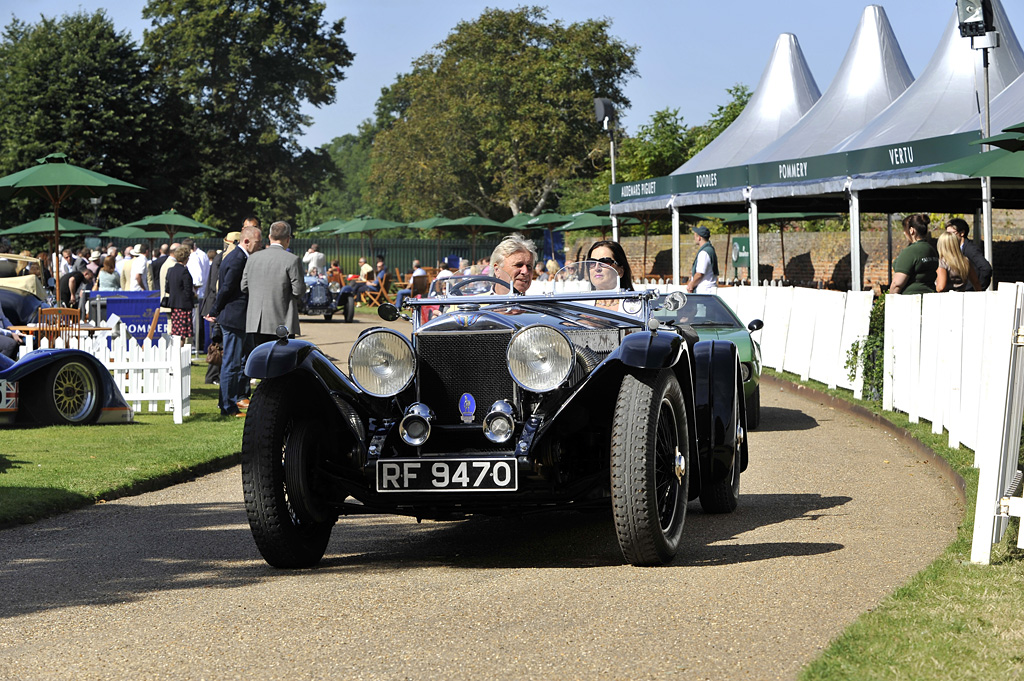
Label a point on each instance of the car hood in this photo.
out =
(740, 337)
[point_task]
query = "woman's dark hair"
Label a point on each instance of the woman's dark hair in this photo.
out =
(917, 223)
(619, 255)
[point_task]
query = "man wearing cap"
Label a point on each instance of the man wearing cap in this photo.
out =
(704, 273)
(140, 263)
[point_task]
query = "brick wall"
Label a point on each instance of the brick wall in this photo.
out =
(813, 258)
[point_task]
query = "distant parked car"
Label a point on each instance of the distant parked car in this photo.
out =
(321, 297)
(59, 387)
(713, 319)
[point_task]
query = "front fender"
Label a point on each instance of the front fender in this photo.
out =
(649, 350)
(719, 406)
(277, 358)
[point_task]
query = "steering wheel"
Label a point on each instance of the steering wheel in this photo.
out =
(458, 286)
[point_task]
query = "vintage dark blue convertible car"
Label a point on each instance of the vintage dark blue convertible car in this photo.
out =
(59, 387)
(501, 404)
(325, 298)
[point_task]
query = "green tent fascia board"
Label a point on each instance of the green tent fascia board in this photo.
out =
(906, 155)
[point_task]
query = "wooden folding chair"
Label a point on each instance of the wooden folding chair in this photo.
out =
(59, 322)
(381, 295)
(419, 285)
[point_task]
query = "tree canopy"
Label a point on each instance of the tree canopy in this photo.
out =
(240, 72)
(78, 86)
(497, 116)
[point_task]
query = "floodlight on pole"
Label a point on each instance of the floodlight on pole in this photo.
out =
(604, 112)
(975, 22)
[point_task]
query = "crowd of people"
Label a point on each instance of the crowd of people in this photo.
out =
(951, 263)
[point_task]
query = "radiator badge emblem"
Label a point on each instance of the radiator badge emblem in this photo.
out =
(466, 320)
(467, 407)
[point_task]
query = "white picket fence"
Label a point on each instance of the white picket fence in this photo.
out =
(957, 360)
(147, 374)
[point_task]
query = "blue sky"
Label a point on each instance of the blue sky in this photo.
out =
(690, 51)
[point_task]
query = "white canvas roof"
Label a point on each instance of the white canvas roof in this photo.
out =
(1007, 109)
(784, 94)
(873, 74)
(944, 95)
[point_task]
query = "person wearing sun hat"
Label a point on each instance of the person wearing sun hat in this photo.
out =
(704, 273)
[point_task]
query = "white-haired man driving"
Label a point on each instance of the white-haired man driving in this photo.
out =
(512, 261)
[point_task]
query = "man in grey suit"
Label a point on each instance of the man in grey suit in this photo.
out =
(273, 280)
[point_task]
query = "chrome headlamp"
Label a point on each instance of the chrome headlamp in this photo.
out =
(540, 358)
(382, 362)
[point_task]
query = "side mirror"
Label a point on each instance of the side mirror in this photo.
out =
(755, 324)
(388, 312)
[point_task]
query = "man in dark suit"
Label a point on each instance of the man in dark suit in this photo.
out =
(229, 311)
(273, 279)
(961, 229)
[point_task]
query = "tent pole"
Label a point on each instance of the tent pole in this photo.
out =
(753, 269)
(855, 264)
(888, 230)
(986, 218)
(675, 246)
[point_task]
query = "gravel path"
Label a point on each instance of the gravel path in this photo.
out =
(834, 514)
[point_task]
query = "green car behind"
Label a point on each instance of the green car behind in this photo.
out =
(713, 319)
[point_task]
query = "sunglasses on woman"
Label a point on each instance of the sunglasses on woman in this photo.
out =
(607, 261)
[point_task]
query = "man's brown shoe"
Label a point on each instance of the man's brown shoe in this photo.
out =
(243, 403)
(240, 415)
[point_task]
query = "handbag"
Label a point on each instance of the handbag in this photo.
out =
(165, 301)
(215, 354)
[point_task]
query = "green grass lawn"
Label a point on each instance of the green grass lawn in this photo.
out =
(47, 470)
(954, 620)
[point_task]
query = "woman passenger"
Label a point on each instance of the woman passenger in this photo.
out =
(612, 268)
(955, 271)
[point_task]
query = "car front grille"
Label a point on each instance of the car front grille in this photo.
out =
(451, 364)
(317, 295)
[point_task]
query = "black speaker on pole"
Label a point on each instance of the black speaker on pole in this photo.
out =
(604, 108)
(974, 17)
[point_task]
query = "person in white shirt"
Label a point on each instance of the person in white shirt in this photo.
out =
(198, 266)
(704, 273)
(313, 258)
(139, 267)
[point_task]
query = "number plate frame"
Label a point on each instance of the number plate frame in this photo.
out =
(469, 474)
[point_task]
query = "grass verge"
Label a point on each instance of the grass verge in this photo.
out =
(50, 470)
(953, 620)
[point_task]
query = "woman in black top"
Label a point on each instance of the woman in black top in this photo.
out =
(181, 296)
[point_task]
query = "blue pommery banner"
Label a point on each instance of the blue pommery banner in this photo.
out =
(135, 309)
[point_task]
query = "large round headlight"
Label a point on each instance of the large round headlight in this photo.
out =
(540, 358)
(382, 363)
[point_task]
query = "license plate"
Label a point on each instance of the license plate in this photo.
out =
(447, 475)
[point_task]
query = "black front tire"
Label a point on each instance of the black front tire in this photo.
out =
(68, 394)
(350, 308)
(723, 496)
(649, 467)
(289, 529)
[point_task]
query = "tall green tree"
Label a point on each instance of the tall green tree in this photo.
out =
(497, 116)
(242, 70)
(78, 86)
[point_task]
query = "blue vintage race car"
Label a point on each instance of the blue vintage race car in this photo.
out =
(59, 387)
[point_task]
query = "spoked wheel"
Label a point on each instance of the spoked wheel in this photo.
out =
(279, 452)
(649, 467)
(69, 394)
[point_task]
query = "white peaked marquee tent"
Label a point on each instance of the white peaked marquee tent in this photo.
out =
(861, 145)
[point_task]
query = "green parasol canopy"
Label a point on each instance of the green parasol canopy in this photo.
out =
(56, 180)
(995, 163)
(170, 223)
(44, 224)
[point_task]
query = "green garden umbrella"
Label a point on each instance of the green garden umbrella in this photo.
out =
(1010, 141)
(584, 220)
(130, 232)
(329, 227)
(994, 163)
(56, 180)
(169, 222)
(44, 224)
(474, 224)
(364, 224)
